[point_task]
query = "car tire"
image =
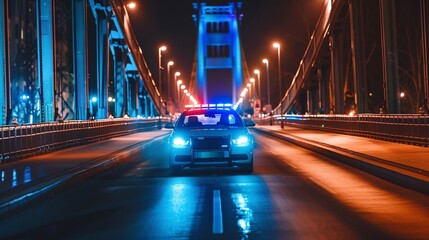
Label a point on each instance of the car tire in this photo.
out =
(175, 171)
(248, 169)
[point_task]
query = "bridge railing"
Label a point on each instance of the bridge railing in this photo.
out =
(27, 140)
(403, 128)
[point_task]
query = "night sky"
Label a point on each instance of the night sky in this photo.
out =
(170, 23)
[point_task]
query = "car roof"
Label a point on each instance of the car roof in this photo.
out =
(202, 111)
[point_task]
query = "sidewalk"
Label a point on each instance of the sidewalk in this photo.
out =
(26, 179)
(403, 164)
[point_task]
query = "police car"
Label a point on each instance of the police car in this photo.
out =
(211, 135)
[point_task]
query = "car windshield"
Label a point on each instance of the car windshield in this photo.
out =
(196, 118)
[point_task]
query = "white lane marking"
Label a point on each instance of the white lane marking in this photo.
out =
(217, 213)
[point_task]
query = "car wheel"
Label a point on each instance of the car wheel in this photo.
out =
(248, 168)
(175, 170)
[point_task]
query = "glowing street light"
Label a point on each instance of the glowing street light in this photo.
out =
(169, 64)
(249, 86)
(252, 80)
(277, 45)
(268, 78)
(93, 111)
(258, 73)
(162, 48)
(131, 5)
(178, 82)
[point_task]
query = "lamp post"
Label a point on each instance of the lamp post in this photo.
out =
(162, 48)
(277, 45)
(268, 79)
(169, 64)
(176, 93)
(258, 73)
(258, 102)
(267, 63)
(182, 87)
(179, 82)
(252, 80)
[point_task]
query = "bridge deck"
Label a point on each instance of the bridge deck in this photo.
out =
(406, 165)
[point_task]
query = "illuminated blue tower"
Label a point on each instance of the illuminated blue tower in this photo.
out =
(219, 70)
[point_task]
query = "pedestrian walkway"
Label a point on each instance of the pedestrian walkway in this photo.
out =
(27, 177)
(387, 159)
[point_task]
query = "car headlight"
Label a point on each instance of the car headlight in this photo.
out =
(241, 141)
(179, 142)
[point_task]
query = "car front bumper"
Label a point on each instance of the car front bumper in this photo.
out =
(234, 157)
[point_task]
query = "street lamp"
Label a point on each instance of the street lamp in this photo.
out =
(169, 64)
(249, 86)
(178, 82)
(258, 73)
(252, 80)
(176, 94)
(277, 45)
(268, 78)
(162, 48)
(131, 5)
(182, 87)
(94, 107)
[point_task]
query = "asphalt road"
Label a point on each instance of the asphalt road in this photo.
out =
(293, 194)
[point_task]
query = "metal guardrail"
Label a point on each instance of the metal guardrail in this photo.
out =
(403, 128)
(27, 140)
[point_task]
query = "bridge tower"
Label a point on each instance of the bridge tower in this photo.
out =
(218, 68)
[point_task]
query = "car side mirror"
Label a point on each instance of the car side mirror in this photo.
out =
(169, 125)
(249, 123)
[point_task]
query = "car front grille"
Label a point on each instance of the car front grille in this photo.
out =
(210, 149)
(211, 143)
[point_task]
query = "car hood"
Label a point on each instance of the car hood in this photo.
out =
(207, 132)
